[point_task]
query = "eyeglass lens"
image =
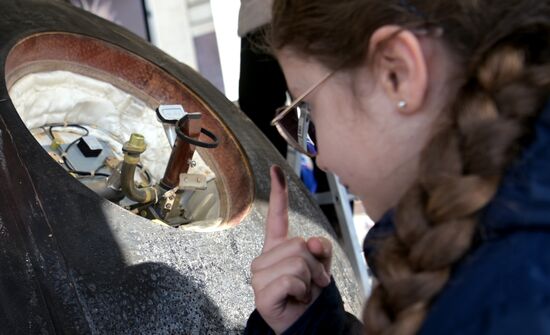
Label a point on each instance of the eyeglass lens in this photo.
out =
(296, 126)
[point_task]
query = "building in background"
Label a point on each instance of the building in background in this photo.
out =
(182, 28)
(128, 13)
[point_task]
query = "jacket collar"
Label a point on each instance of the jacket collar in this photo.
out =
(523, 199)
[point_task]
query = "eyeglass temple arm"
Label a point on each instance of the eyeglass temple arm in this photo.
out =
(299, 99)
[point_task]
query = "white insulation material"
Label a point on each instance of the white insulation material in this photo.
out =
(110, 113)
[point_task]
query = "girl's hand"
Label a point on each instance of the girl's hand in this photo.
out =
(290, 273)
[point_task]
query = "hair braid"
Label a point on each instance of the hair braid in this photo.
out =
(460, 172)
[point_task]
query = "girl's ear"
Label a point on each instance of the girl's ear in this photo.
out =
(399, 67)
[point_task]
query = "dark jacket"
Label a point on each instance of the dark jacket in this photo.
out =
(502, 286)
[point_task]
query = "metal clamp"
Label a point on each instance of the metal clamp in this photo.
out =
(190, 181)
(170, 197)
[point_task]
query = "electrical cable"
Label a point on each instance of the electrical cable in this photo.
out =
(88, 174)
(146, 173)
(68, 165)
(70, 125)
(182, 136)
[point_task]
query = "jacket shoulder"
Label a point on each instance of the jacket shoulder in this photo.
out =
(502, 287)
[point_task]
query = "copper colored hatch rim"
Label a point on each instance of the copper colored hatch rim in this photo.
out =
(102, 60)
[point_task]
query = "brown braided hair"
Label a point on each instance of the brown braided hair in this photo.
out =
(504, 48)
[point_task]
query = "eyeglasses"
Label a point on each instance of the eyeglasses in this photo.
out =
(293, 122)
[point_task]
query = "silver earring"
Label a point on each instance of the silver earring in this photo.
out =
(402, 104)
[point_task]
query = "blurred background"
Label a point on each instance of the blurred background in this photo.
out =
(199, 33)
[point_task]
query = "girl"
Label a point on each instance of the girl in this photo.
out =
(435, 113)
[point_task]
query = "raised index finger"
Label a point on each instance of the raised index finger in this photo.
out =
(276, 228)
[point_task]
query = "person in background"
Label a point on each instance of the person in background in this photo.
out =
(262, 85)
(437, 114)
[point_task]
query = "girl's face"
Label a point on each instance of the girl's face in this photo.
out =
(362, 135)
